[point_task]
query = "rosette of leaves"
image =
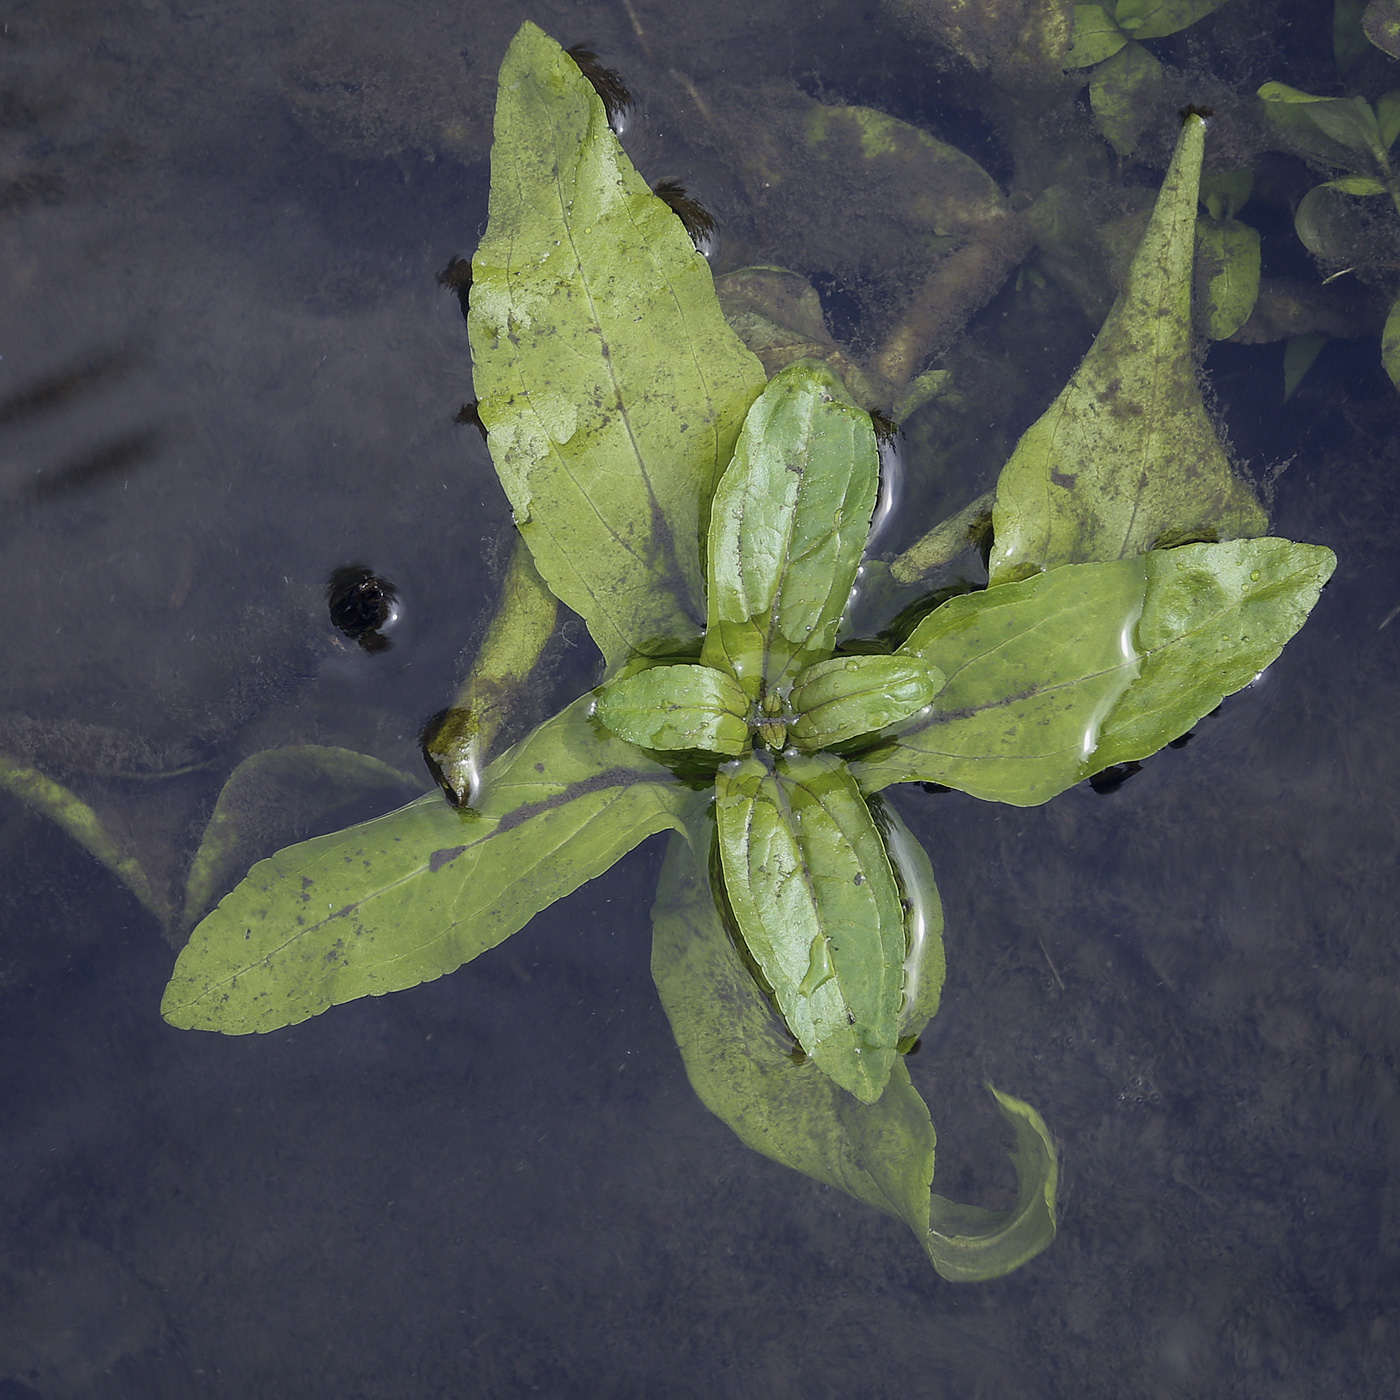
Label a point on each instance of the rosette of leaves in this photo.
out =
(1126, 78)
(708, 525)
(1334, 221)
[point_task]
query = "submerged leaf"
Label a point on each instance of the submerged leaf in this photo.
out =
(1096, 37)
(610, 384)
(790, 521)
(1125, 458)
(1155, 19)
(740, 1065)
(1124, 93)
(1381, 23)
(415, 894)
(1229, 267)
(811, 888)
(1093, 664)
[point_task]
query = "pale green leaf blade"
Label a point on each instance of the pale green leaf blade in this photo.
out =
(611, 387)
(1294, 113)
(790, 521)
(1388, 117)
(1089, 665)
(968, 1243)
(415, 894)
(1214, 616)
(64, 807)
(815, 900)
(1390, 343)
(1226, 192)
(677, 707)
(1155, 19)
(739, 1062)
(1096, 37)
(1381, 23)
(1228, 264)
(1126, 457)
(268, 796)
(1124, 92)
(839, 700)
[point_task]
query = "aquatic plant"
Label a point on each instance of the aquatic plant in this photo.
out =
(708, 524)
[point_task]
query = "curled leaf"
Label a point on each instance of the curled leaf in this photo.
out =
(839, 700)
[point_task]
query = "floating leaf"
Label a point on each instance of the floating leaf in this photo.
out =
(677, 707)
(1124, 93)
(415, 894)
(839, 700)
(1088, 665)
(268, 796)
(1096, 37)
(609, 382)
(1228, 263)
(1126, 458)
(740, 1064)
(790, 521)
(811, 889)
(1154, 19)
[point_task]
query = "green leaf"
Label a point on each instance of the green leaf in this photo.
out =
(1348, 37)
(1089, 665)
(611, 387)
(1096, 37)
(268, 796)
(1390, 343)
(1388, 117)
(1124, 93)
(1298, 357)
(1226, 192)
(790, 521)
(69, 811)
(1154, 19)
(1382, 25)
(786, 1108)
(841, 699)
(815, 900)
(1228, 264)
(924, 964)
(1335, 129)
(677, 707)
(1327, 224)
(415, 894)
(1126, 458)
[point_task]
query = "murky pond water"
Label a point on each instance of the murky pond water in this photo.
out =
(227, 369)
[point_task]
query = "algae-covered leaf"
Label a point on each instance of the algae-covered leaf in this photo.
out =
(1155, 19)
(1124, 94)
(272, 793)
(1390, 343)
(739, 1062)
(1096, 37)
(609, 383)
(415, 894)
(790, 521)
(1381, 24)
(838, 700)
(1126, 457)
(1060, 676)
(815, 900)
(677, 707)
(1228, 264)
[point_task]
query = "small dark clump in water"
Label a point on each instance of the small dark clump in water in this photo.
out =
(886, 430)
(699, 222)
(361, 605)
(1111, 779)
(606, 82)
(468, 414)
(456, 278)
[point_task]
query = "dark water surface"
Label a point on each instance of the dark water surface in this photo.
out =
(225, 370)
